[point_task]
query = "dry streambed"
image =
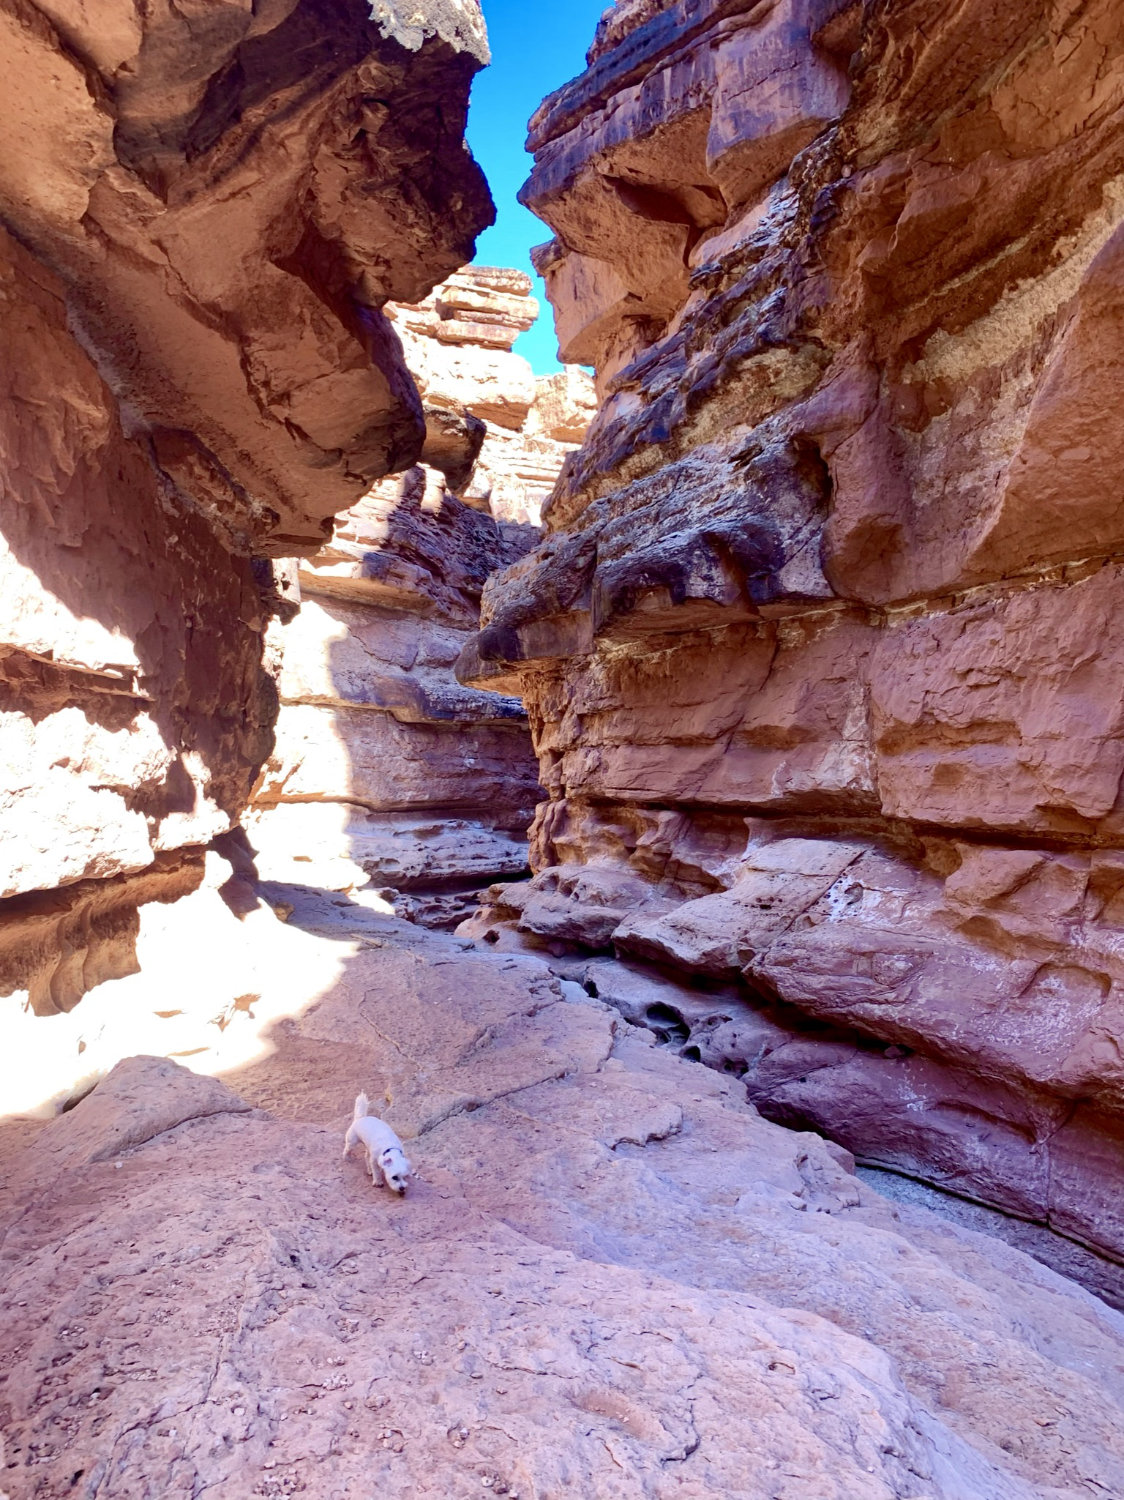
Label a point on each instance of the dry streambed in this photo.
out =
(611, 1278)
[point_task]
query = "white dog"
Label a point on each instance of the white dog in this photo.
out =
(384, 1149)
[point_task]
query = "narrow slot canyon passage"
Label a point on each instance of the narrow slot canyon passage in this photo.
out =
(674, 787)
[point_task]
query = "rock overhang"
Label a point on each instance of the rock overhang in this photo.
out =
(229, 205)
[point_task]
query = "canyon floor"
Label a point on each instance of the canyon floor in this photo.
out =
(611, 1277)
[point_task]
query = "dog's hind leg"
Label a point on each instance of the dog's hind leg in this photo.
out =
(349, 1140)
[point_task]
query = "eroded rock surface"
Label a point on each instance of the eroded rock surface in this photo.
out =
(230, 200)
(499, 433)
(385, 766)
(203, 210)
(821, 648)
(611, 1276)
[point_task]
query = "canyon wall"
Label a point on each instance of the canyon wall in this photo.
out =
(822, 649)
(203, 211)
(385, 768)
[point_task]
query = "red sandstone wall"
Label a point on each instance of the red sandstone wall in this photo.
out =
(822, 650)
(202, 213)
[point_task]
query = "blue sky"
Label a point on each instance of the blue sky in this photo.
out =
(536, 46)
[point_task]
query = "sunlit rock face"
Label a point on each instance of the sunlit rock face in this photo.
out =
(499, 433)
(822, 647)
(385, 767)
(202, 211)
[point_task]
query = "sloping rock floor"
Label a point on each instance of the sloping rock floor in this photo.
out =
(611, 1278)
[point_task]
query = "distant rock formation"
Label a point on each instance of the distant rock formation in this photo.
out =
(822, 648)
(458, 345)
(203, 211)
(385, 767)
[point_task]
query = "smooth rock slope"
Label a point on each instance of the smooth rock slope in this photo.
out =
(612, 1277)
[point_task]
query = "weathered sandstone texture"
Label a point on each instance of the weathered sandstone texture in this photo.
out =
(823, 648)
(385, 767)
(203, 210)
(229, 199)
(484, 405)
(611, 1277)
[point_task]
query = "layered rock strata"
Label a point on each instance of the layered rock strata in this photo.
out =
(385, 767)
(202, 214)
(459, 347)
(821, 649)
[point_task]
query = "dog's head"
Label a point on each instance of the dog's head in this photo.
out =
(396, 1170)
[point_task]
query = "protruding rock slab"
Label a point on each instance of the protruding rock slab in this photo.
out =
(230, 201)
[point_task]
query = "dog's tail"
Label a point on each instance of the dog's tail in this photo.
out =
(362, 1107)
